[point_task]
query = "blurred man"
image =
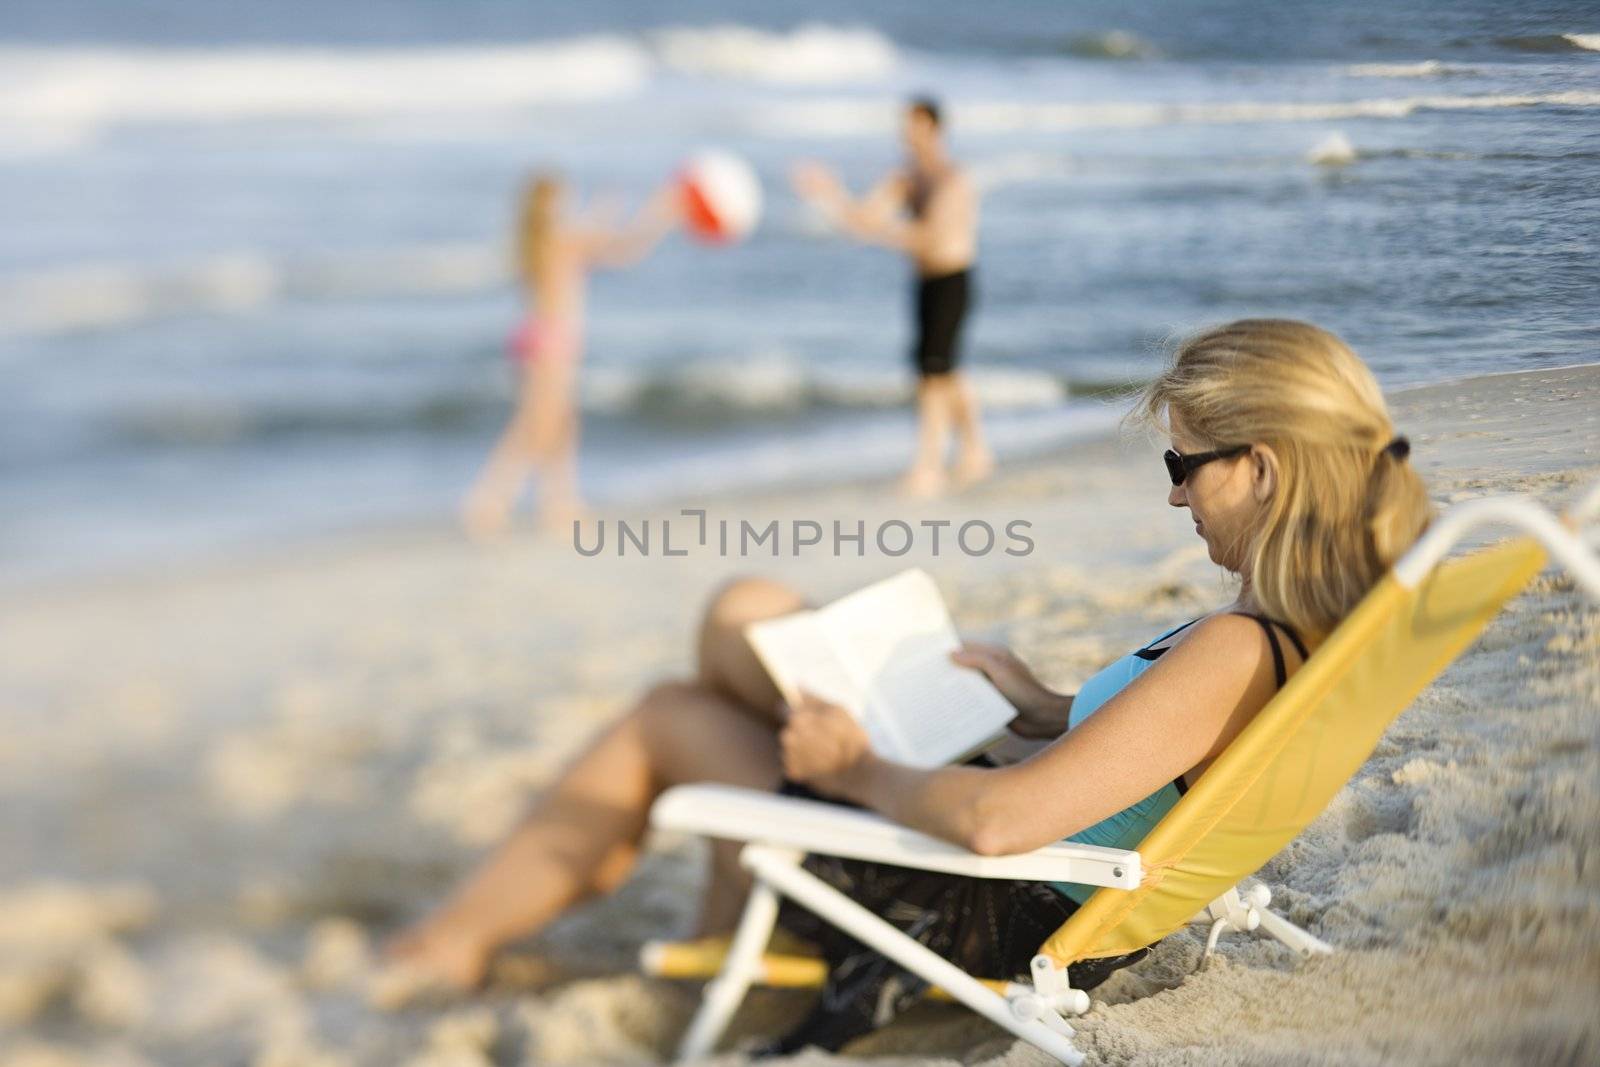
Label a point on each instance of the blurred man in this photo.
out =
(929, 211)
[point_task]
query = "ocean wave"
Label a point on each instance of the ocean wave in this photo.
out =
(1552, 42)
(1335, 150)
(1427, 68)
(98, 85)
(777, 382)
(844, 118)
(814, 54)
(26, 141)
(97, 296)
(100, 296)
(1020, 168)
(1112, 44)
(999, 117)
(698, 396)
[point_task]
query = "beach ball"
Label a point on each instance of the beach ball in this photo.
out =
(721, 197)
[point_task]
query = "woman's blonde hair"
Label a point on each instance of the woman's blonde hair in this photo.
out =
(536, 228)
(1346, 505)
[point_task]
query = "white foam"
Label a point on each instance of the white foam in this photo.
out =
(1114, 44)
(1015, 389)
(1590, 41)
(1334, 150)
(91, 296)
(23, 141)
(403, 271)
(890, 385)
(823, 118)
(89, 86)
(767, 381)
(776, 380)
(1428, 68)
(813, 54)
(843, 118)
(1069, 116)
(97, 85)
(102, 295)
(1020, 168)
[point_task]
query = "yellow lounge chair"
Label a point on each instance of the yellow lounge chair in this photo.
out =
(1270, 783)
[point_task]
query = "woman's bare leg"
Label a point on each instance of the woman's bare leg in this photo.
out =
(486, 510)
(728, 665)
(582, 836)
(557, 431)
(726, 661)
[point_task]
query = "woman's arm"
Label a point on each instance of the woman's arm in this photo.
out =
(1181, 711)
(626, 245)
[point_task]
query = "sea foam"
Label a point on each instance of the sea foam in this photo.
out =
(97, 85)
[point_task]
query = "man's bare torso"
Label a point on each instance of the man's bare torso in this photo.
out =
(947, 200)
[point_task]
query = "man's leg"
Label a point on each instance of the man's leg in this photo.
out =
(974, 461)
(926, 476)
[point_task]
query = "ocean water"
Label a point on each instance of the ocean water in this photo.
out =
(253, 262)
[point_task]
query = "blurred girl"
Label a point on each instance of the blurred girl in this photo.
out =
(554, 256)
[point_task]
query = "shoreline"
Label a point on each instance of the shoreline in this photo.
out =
(440, 533)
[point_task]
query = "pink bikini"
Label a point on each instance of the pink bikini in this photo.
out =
(533, 336)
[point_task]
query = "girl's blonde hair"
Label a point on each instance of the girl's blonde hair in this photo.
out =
(1345, 506)
(536, 228)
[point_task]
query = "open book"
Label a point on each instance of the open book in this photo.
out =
(883, 654)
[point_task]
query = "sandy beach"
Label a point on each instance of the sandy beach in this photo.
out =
(224, 784)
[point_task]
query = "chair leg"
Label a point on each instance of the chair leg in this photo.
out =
(781, 870)
(1300, 941)
(724, 993)
(1235, 912)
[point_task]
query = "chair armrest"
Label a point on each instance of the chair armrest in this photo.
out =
(736, 814)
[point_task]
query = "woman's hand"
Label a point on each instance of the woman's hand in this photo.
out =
(822, 745)
(665, 206)
(1041, 712)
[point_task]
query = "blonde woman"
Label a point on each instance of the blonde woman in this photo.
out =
(554, 257)
(1283, 453)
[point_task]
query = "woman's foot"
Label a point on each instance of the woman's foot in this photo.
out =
(485, 515)
(428, 961)
(557, 517)
(532, 973)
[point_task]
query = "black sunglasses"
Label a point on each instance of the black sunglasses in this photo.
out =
(1180, 467)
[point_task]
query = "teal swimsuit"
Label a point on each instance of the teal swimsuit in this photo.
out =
(1129, 826)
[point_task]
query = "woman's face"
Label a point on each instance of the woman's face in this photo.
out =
(1224, 497)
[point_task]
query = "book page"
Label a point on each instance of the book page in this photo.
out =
(798, 655)
(939, 712)
(895, 639)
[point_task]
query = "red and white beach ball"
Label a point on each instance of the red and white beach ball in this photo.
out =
(721, 197)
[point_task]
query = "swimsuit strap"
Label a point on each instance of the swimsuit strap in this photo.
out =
(1299, 645)
(1149, 653)
(1270, 628)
